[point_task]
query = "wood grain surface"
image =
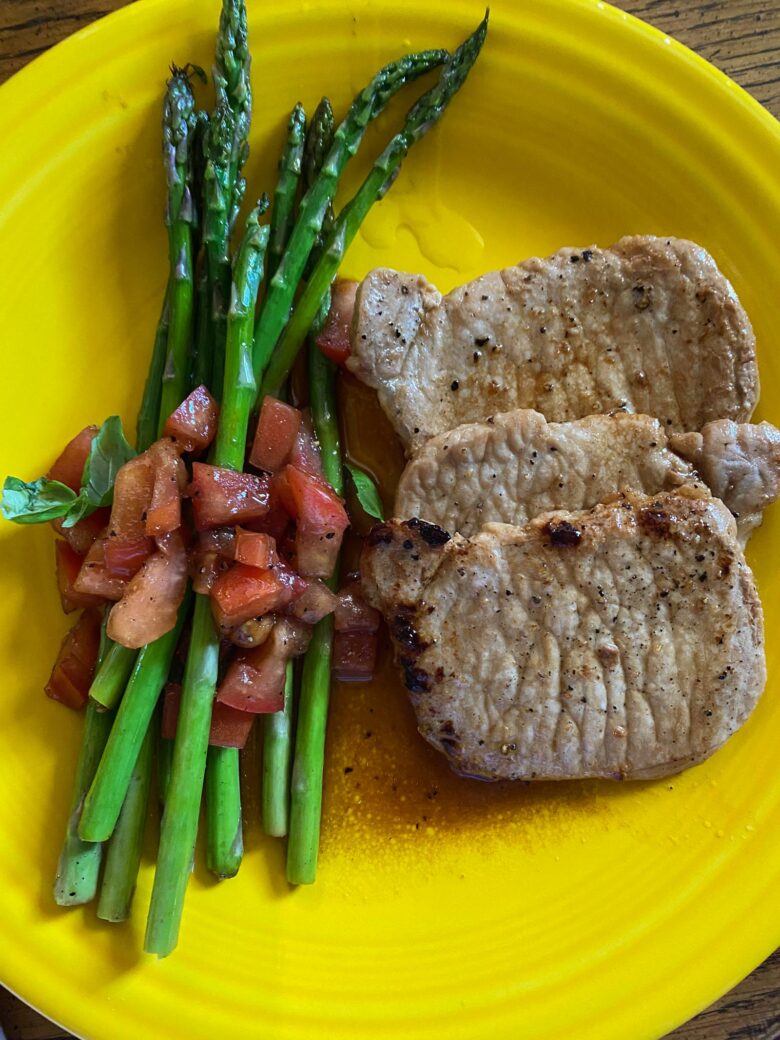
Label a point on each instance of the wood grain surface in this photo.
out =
(742, 37)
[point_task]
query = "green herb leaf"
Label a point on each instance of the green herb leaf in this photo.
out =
(108, 452)
(367, 492)
(37, 502)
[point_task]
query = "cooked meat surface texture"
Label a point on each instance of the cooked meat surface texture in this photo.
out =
(739, 462)
(517, 465)
(649, 325)
(623, 642)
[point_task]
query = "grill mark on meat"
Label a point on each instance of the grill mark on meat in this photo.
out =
(431, 534)
(561, 533)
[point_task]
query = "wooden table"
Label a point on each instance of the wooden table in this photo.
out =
(742, 37)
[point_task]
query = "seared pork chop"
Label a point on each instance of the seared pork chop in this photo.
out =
(622, 642)
(649, 325)
(517, 465)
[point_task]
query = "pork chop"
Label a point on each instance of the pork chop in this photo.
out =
(649, 325)
(517, 465)
(623, 642)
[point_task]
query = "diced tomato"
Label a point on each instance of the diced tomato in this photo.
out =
(170, 476)
(222, 496)
(277, 429)
(254, 682)
(321, 522)
(212, 555)
(246, 592)
(220, 540)
(68, 567)
(255, 549)
(94, 578)
(281, 493)
(352, 613)
(253, 632)
(275, 522)
(81, 536)
(194, 423)
(74, 668)
(354, 656)
(334, 340)
(125, 556)
(132, 497)
(69, 466)
(151, 601)
(305, 454)
(170, 710)
(229, 726)
(314, 603)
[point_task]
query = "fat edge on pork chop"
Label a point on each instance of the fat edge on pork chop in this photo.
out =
(623, 642)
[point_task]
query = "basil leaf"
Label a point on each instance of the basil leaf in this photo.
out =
(367, 492)
(37, 502)
(108, 452)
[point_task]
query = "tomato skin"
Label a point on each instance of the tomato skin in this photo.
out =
(305, 455)
(169, 475)
(277, 429)
(223, 496)
(69, 465)
(229, 726)
(254, 682)
(354, 656)
(82, 535)
(68, 566)
(125, 557)
(334, 340)
(246, 592)
(153, 596)
(321, 521)
(74, 669)
(194, 423)
(255, 549)
(352, 613)
(314, 603)
(94, 578)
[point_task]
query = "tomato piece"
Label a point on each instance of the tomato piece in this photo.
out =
(69, 465)
(219, 540)
(222, 496)
(254, 682)
(68, 567)
(81, 536)
(169, 477)
(305, 454)
(74, 668)
(127, 527)
(275, 522)
(315, 602)
(255, 549)
(151, 600)
(229, 726)
(125, 556)
(170, 710)
(334, 340)
(213, 553)
(94, 578)
(246, 592)
(352, 613)
(354, 656)
(277, 429)
(321, 522)
(281, 494)
(194, 423)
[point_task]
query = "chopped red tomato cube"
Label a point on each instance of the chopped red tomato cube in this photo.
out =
(169, 478)
(246, 592)
(321, 522)
(354, 656)
(68, 567)
(255, 549)
(275, 436)
(352, 613)
(305, 454)
(94, 578)
(74, 668)
(254, 682)
(125, 556)
(334, 340)
(194, 423)
(70, 464)
(314, 603)
(222, 496)
(151, 601)
(275, 522)
(133, 489)
(229, 726)
(170, 710)
(81, 536)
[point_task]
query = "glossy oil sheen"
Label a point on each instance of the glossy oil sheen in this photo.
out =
(443, 908)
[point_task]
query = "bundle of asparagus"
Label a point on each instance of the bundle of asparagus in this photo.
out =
(220, 331)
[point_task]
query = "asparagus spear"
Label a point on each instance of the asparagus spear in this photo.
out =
(366, 106)
(123, 855)
(277, 757)
(420, 118)
(225, 835)
(283, 212)
(179, 122)
(112, 675)
(180, 818)
(232, 72)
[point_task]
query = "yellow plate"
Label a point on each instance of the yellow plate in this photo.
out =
(442, 909)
